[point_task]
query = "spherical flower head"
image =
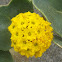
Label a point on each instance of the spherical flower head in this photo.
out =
(31, 35)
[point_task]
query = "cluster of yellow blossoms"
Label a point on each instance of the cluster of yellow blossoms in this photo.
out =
(31, 35)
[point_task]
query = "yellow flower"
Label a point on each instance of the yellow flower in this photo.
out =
(31, 35)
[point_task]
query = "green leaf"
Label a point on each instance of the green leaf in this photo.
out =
(5, 56)
(52, 11)
(57, 40)
(6, 13)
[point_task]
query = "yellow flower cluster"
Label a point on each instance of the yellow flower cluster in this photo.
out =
(31, 35)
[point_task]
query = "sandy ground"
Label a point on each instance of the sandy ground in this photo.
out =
(53, 54)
